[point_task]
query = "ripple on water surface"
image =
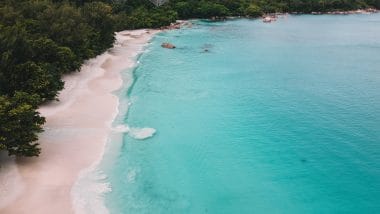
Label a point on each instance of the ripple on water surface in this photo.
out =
(273, 118)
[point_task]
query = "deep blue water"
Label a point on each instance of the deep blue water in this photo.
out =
(274, 118)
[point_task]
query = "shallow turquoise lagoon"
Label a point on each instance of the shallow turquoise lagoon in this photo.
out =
(274, 118)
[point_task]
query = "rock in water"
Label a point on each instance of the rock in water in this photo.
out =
(167, 45)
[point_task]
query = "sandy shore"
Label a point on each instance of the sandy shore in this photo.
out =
(75, 134)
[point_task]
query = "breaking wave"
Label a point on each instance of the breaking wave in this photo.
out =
(136, 133)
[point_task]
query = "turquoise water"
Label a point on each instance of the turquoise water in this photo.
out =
(274, 118)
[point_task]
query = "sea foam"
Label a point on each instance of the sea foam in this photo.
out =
(92, 184)
(136, 133)
(141, 133)
(88, 192)
(121, 129)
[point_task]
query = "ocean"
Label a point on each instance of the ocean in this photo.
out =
(250, 117)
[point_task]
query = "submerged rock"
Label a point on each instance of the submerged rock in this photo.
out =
(268, 19)
(167, 45)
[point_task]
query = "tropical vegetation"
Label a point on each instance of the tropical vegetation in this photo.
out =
(40, 40)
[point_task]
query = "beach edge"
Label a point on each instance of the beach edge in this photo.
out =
(77, 129)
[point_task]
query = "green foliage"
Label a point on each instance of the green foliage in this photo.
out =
(184, 9)
(20, 124)
(66, 26)
(99, 17)
(253, 11)
(41, 40)
(254, 8)
(143, 18)
(208, 9)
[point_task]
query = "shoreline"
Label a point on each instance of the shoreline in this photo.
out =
(76, 131)
(281, 14)
(66, 123)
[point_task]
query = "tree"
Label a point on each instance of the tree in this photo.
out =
(32, 65)
(98, 15)
(207, 9)
(66, 26)
(184, 9)
(41, 40)
(253, 11)
(20, 124)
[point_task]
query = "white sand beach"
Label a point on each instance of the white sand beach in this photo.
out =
(75, 134)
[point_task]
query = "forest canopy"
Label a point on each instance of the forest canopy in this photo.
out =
(42, 40)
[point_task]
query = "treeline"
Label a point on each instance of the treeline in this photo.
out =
(255, 8)
(40, 40)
